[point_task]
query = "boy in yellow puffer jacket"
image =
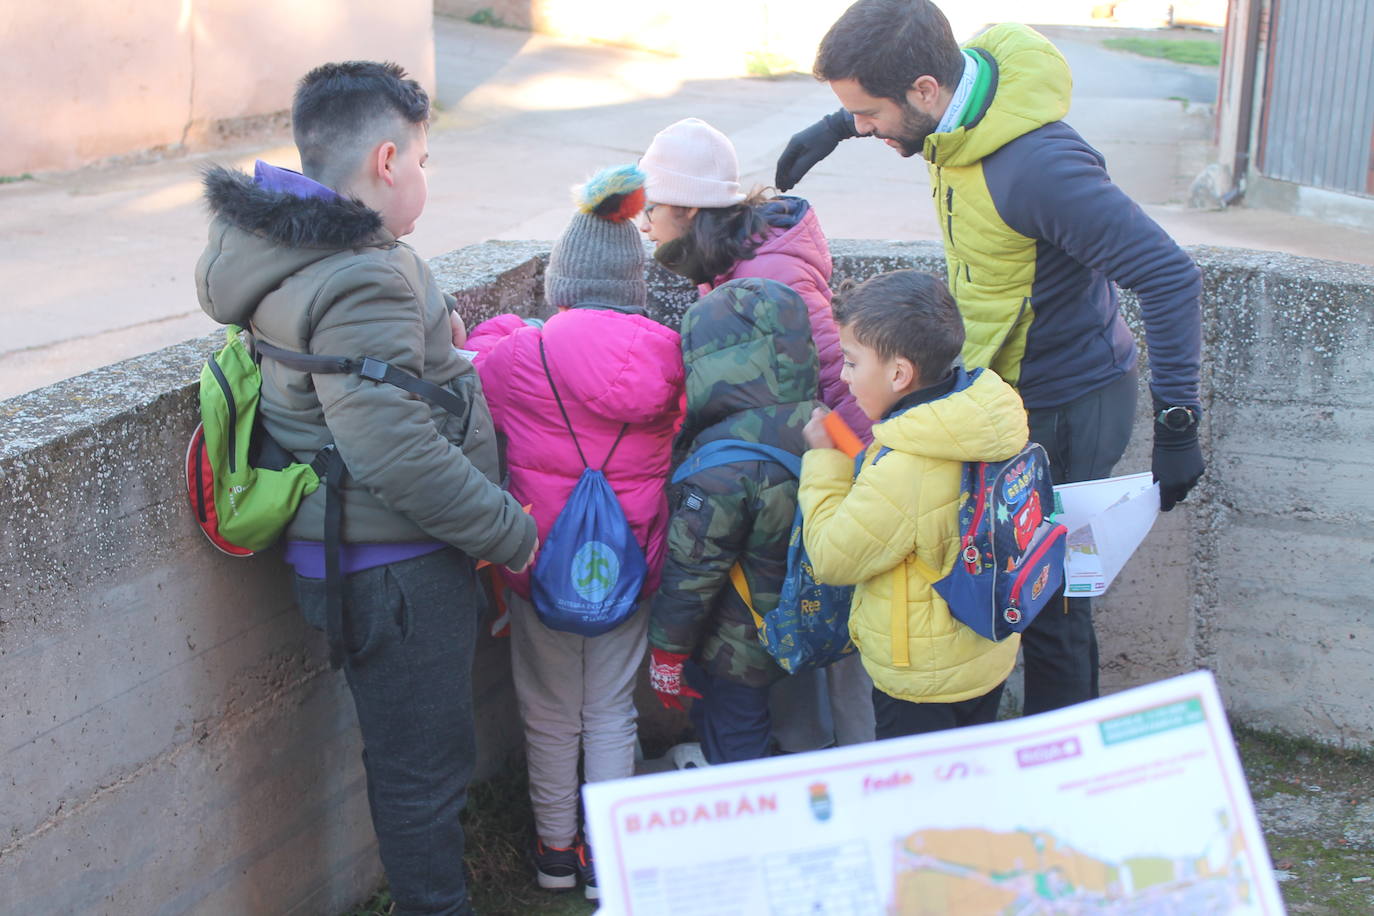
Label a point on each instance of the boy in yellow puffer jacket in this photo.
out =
(894, 528)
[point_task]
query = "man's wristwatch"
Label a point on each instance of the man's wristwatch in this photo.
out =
(1177, 419)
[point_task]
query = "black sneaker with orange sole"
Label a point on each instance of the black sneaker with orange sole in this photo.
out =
(555, 868)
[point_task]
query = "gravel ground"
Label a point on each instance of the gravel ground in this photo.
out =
(1316, 805)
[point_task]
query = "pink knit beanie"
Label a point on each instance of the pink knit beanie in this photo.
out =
(691, 164)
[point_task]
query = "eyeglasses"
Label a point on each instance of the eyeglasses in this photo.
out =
(649, 211)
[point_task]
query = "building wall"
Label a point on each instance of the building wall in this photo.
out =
(1317, 125)
(105, 78)
(172, 740)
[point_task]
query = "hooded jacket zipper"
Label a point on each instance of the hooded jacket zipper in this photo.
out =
(949, 213)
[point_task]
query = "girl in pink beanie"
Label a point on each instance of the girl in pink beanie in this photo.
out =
(710, 232)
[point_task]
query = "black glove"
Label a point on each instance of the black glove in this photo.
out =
(1177, 461)
(812, 145)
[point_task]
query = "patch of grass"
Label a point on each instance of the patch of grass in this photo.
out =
(1179, 50)
(15, 179)
(766, 63)
(487, 16)
(1321, 878)
(380, 905)
(1313, 801)
(500, 877)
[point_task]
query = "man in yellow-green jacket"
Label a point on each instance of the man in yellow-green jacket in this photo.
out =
(1037, 238)
(893, 529)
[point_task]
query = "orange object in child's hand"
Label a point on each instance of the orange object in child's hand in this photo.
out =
(844, 438)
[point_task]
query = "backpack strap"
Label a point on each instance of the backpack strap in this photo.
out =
(568, 423)
(334, 472)
(375, 370)
(742, 588)
(728, 451)
(898, 621)
(901, 643)
(329, 466)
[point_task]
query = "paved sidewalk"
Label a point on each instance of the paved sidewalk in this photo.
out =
(99, 263)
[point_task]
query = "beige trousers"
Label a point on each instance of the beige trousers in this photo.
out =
(576, 697)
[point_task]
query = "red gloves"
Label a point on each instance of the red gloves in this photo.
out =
(665, 676)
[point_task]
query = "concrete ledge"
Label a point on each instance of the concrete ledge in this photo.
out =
(172, 740)
(1341, 208)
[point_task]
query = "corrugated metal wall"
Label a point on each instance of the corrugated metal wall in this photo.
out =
(1318, 126)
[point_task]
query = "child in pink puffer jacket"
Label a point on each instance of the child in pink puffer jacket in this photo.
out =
(612, 366)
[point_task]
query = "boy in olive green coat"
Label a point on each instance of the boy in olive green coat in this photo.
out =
(312, 263)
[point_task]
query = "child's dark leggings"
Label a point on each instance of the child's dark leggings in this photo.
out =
(731, 720)
(896, 717)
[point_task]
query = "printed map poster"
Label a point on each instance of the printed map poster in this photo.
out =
(1107, 519)
(1132, 804)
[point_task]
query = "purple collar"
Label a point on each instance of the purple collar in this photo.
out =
(285, 181)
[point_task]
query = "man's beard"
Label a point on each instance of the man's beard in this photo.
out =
(911, 135)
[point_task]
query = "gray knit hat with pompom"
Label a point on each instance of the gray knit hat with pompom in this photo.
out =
(598, 262)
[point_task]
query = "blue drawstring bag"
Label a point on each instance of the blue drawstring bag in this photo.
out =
(590, 569)
(810, 626)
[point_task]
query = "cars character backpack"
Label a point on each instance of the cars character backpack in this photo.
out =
(590, 568)
(1011, 551)
(809, 628)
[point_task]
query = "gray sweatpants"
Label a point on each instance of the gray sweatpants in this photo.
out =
(827, 707)
(576, 698)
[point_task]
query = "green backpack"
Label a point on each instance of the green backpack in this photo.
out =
(244, 487)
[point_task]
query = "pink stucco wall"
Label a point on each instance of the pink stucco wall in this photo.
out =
(88, 79)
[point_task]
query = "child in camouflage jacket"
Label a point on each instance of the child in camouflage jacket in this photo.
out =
(751, 374)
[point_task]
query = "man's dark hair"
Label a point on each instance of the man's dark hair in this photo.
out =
(342, 110)
(887, 44)
(904, 313)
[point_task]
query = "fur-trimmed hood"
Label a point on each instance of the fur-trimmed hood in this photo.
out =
(288, 219)
(261, 237)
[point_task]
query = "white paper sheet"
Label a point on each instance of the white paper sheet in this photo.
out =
(1132, 803)
(1107, 520)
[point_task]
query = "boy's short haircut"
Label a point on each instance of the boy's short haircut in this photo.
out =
(887, 44)
(904, 313)
(342, 110)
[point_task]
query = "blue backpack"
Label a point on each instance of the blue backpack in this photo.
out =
(810, 626)
(591, 568)
(1011, 551)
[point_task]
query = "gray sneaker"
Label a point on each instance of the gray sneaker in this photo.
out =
(687, 756)
(586, 869)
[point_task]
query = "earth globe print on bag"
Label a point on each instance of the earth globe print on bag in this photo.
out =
(591, 568)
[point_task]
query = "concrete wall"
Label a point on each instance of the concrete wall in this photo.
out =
(171, 739)
(102, 78)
